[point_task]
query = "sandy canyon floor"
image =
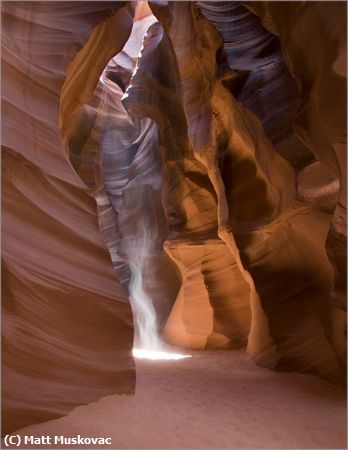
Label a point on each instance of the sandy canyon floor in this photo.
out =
(212, 400)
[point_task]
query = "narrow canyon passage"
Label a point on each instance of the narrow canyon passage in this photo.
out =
(174, 180)
(216, 399)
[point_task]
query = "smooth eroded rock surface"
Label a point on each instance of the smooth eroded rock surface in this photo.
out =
(66, 321)
(187, 157)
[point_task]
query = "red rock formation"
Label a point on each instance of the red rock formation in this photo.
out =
(129, 197)
(180, 147)
(313, 39)
(212, 308)
(258, 216)
(66, 322)
(251, 65)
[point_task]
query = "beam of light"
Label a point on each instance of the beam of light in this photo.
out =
(157, 355)
(144, 313)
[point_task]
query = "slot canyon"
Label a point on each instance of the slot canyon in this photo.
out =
(174, 224)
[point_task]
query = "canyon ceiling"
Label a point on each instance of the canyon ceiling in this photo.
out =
(213, 164)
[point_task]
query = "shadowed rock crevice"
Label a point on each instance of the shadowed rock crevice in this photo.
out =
(257, 209)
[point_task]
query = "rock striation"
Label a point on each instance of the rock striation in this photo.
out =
(194, 148)
(208, 270)
(251, 65)
(244, 191)
(127, 159)
(313, 38)
(67, 328)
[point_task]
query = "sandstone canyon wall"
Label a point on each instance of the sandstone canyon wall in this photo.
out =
(67, 329)
(245, 194)
(209, 169)
(314, 45)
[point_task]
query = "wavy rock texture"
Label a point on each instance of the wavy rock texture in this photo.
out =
(251, 65)
(313, 38)
(250, 201)
(215, 159)
(212, 309)
(129, 200)
(66, 321)
(131, 170)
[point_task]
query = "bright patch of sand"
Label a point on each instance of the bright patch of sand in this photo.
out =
(212, 400)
